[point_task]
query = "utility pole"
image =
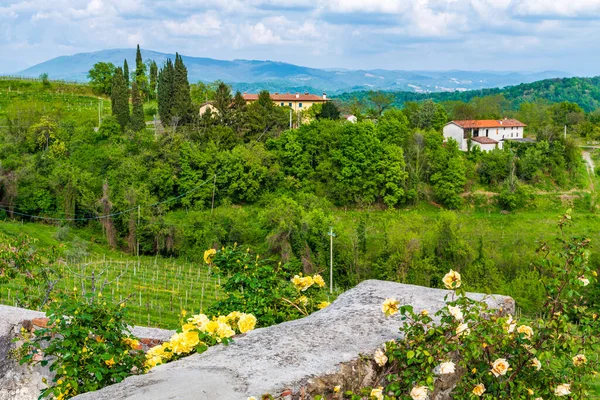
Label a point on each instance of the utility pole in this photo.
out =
(331, 236)
(565, 132)
(290, 118)
(212, 206)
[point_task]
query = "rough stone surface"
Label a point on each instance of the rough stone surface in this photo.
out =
(16, 381)
(22, 382)
(287, 356)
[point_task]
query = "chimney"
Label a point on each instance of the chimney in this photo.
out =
(297, 95)
(276, 93)
(324, 96)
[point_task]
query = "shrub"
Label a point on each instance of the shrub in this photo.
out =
(87, 344)
(496, 356)
(262, 287)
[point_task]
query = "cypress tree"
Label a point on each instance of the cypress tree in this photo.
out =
(165, 92)
(126, 72)
(140, 73)
(120, 98)
(330, 111)
(137, 116)
(153, 79)
(182, 99)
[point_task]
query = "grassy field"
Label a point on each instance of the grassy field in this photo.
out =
(158, 288)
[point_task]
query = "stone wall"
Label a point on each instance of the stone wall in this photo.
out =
(22, 382)
(293, 360)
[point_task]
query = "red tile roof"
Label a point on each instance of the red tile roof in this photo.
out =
(286, 97)
(483, 140)
(489, 123)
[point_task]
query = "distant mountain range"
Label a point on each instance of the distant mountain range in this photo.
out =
(252, 75)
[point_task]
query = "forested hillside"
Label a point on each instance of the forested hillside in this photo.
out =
(583, 91)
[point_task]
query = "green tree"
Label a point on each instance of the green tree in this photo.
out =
(165, 92)
(330, 111)
(137, 116)
(265, 118)
(448, 175)
(222, 102)
(182, 101)
(381, 101)
(153, 79)
(126, 72)
(140, 74)
(120, 98)
(44, 132)
(101, 77)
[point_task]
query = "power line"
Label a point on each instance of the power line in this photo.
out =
(137, 207)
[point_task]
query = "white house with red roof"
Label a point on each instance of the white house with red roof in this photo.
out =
(487, 134)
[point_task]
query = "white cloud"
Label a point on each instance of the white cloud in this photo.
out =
(205, 25)
(558, 8)
(260, 34)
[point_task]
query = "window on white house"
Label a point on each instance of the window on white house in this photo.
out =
(290, 104)
(282, 104)
(487, 133)
(299, 105)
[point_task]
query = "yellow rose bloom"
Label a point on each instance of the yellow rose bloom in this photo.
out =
(530, 392)
(318, 280)
(447, 368)
(184, 342)
(419, 393)
(377, 393)
(110, 362)
(211, 327)
(424, 313)
(499, 367)
(199, 320)
(336, 389)
(209, 255)
(579, 360)
(380, 357)
(452, 280)
(563, 390)
(302, 283)
(390, 307)
(302, 300)
(525, 330)
(479, 390)
(456, 312)
(224, 331)
(246, 323)
(323, 304)
(462, 329)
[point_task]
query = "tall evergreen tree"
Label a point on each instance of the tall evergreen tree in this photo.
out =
(165, 92)
(137, 116)
(140, 73)
(330, 111)
(153, 79)
(126, 72)
(120, 98)
(182, 100)
(223, 102)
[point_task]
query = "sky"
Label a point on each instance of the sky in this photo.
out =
(503, 35)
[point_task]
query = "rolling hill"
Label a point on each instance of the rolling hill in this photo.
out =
(253, 75)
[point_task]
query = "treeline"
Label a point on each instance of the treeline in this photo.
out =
(583, 91)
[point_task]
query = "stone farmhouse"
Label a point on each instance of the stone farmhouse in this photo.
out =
(486, 134)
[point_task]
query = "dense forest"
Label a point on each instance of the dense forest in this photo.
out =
(240, 174)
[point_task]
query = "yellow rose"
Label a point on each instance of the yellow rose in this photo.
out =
(377, 393)
(209, 255)
(336, 389)
(380, 357)
(535, 363)
(499, 367)
(479, 389)
(424, 313)
(455, 312)
(390, 307)
(510, 324)
(447, 368)
(463, 329)
(302, 283)
(318, 280)
(579, 360)
(525, 330)
(530, 392)
(246, 323)
(110, 362)
(199, 320)
(323, 304)
(563, 390)
(452, 280)
(419, 393)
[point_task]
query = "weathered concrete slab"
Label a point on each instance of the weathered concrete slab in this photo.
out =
(286, 356)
